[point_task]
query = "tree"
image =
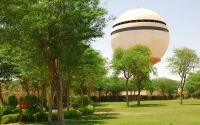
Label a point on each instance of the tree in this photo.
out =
(193, 82)
(182, 63)
(91, 68)
(8, 69)
(165, 85)
(141, 68)
(114, 85)
(133, 87)
(53, 28)
(133, 62)
(122, 64)
(171, 87)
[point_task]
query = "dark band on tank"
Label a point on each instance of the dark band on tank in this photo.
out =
(139, 20)
(140, 28)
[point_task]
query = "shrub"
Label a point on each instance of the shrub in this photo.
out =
(86, 100)
(89, 109)
(54, 116)
(75, 101)
(194, 95)
(1, 112)
(186, 96)
(11, 101)
(33, 103)
(175, 96)
(9, 110)
(41, 117)
(78, 112)
(11, 118)
(27, 116)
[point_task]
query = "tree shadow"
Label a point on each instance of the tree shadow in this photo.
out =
(99, 104)
(147, 105)
(191, 104)
(92, 119)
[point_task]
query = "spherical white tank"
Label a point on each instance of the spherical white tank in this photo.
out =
(141, 26)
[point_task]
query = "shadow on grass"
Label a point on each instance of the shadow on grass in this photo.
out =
(191, 104)
(92, 119)
(100, 107)
(147, 105)
(99, 104)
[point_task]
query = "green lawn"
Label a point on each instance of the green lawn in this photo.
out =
(148, 113)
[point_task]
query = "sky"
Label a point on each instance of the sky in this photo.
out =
(181, 16)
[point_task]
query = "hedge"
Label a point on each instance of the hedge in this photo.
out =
(28, 117)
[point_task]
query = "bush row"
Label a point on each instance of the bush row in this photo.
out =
(142, 97)
(28, 117)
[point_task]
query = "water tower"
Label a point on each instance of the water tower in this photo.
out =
(141, 26)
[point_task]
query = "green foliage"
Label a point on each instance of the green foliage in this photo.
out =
(193, 82)
(10, 110)
(27, 116)
(194, 95)
(11, 118)
(1, 113)
(176, 96)
(182, 63)
(86, 100)
(79, 112)
(114, 85)
(33, 103)
(41, 117)
(75, 101)
(11, 101)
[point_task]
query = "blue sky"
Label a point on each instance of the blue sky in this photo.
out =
(181, 16)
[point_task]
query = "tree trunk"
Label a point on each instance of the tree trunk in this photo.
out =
(99, 95)
(163, 95)
(54, 69)
(1, 97)
(90, 89)
(68, 95)
(138, 94)
(181, 101)
(43, 89)
(51, 102)
(81, 94)
(24, 83)
(134, 95)
(127, 100)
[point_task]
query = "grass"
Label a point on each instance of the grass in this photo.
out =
(148, 113)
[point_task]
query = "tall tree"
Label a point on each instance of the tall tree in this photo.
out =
(133, 87)
(53, 28)
(114, 85)
(133, 62)
(122, 64)
(193, 82)
(8, 69)
(182, 63)
(165, 85)
(141, 68)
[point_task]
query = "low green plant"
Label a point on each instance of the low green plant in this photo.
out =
(27, 116)
(86, 100)
(1, 113)
(75, 101)
(194, 95)
(11, 118)
(33, 103)
(11, 101)
(54, 116)
(9, 110)
(41, 117)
